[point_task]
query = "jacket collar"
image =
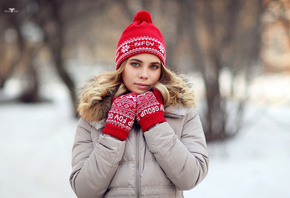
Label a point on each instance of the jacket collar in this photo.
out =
(99, 109)
(176, 111)
(172, 112)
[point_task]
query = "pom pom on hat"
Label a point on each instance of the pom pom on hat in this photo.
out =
(141, 36)
(143, 16)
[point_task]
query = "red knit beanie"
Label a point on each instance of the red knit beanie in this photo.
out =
(141, 36)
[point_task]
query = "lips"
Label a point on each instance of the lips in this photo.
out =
(142, 86)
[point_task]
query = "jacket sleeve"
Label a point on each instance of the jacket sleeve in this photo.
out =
(185, 160)
(93, 166)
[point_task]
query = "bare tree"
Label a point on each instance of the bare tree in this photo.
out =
(224, 35)
(53, 18)
(9, 21)
(23, 52)
(219, 35)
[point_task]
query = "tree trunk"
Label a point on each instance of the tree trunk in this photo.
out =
(54, 36)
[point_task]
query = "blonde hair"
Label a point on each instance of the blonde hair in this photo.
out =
(103, 88)
(174, 89)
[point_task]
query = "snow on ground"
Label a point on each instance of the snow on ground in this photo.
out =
(36, 141)
(253, 164)
(35, 148)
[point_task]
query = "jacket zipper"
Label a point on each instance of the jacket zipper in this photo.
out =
(137, 166)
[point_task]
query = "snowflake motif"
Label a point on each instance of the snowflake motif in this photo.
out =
(126, 106)
(132, 97)
(161, 48)
(125, 48)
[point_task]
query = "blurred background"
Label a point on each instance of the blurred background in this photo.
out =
(236, 54)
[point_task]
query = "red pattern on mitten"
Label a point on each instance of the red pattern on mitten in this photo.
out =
(121, 116)
(150, 110)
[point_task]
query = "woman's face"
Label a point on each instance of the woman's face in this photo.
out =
(141, 72)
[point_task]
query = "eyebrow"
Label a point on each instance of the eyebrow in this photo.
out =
(137, 60)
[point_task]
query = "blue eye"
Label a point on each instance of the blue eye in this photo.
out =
(154, 66)
(135, 64)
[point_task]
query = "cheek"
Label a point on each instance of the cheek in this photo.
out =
(127, 78)
(155, 76)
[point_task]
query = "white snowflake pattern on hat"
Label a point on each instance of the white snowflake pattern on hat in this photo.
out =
(161, 48)
(125, 48)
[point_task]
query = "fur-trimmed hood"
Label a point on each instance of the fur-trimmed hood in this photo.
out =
(97, 110)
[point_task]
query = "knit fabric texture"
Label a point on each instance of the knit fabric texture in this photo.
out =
(150, 110)
(141, 36)
(121, 116)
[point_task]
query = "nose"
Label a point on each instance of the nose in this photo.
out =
(143, 73)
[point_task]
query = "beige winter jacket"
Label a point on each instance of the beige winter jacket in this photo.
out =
(162, 162)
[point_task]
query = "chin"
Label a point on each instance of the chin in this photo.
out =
(138, 91)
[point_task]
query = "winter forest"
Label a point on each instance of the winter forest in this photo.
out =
(236, 54)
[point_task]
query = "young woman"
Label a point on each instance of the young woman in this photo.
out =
(139, 134)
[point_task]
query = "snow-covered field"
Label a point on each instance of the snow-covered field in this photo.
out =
(255, 164)
(36, 141)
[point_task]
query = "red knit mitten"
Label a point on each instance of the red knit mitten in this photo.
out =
(150, 110)
(121, 116)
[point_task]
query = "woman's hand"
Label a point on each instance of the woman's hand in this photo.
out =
(150, 110)
(121, 116)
